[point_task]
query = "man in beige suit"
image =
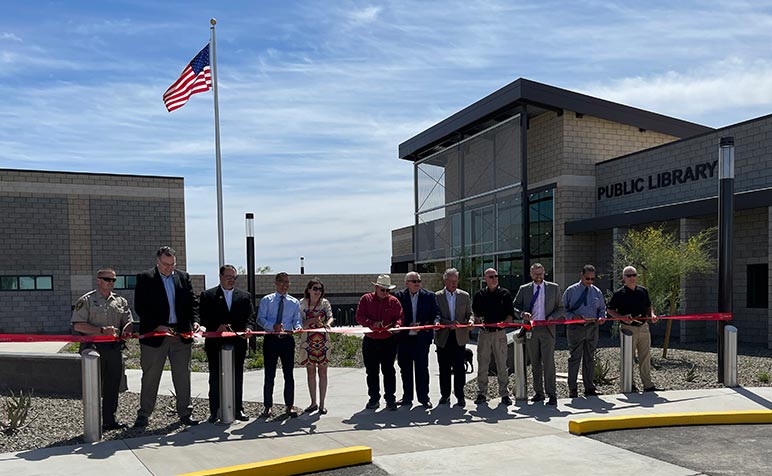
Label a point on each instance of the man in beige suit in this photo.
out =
(538, 302)
(455, 309)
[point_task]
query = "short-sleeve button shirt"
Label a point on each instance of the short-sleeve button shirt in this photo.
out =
(97, 310)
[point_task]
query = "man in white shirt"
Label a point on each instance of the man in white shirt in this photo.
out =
(537, 303)
(455, 309)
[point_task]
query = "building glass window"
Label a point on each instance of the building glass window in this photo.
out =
(26, 283)
(758, 275)
(468, 197)
(125, 281)
(44, 283)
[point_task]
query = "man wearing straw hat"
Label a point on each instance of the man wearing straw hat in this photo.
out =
(380, 311)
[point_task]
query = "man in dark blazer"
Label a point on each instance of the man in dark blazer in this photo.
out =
(226, 308)
(165, 303)
(420, 308)
(539, 302)
(455, 308)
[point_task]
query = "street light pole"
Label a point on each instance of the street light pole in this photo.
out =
(302, 268)
(725, 225)
(250, 220)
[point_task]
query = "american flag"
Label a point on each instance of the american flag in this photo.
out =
(195, 78)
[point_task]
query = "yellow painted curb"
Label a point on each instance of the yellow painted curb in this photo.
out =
(583, 426)
(298, 464)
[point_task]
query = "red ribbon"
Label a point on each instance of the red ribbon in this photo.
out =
(715, 316)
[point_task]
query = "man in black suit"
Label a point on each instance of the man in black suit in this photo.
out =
(165, 303)
(420, 308)
(226, 308)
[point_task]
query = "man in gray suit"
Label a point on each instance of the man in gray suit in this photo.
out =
(539, 302)
(455, 309)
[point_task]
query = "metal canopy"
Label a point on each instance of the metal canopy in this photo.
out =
(539, 98)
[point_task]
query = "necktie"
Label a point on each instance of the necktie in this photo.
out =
(583, 298)
(535, 297)
(281, 310)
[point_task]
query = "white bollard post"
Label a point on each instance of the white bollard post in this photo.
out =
(227, 394)
(92, 401)
(730, 356)
(520, 369)
(626, 362)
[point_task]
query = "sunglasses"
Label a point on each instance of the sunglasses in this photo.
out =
(589, 279)
(317, 289)
(413, 280)
(631, 276)
(384, 289)
(107, 280)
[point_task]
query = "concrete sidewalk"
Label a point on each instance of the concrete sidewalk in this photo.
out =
(524, 439)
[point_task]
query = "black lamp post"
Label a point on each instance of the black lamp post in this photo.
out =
(725, 225)
(250, 219)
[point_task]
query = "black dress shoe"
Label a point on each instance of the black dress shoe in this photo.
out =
(403, 402)
(291, 413)
(552, 401)
(265, 413)
(445, 401)
(391, 406)
(212, 419)
(461, 402)
(427, 404)
(653, 389)
(591, 393)
(141, 422)
(573, 394)
(189, 420)
(480, 399)
(537, 398)
(116, 425)
(372, 404)
(506, 400)
(241, 416)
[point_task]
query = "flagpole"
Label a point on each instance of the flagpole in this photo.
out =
(213, 53)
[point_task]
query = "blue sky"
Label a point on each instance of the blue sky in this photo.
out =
(316, 96)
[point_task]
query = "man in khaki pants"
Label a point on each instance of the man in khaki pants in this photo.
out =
(492, 305)
(628, 303)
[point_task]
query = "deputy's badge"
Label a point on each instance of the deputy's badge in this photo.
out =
(79, 305)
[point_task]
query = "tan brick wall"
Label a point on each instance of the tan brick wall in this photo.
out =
(402, 241)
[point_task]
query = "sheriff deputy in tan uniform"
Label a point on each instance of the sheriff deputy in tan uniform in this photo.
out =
(101, 312)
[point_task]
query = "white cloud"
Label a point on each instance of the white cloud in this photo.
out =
(10, 36)
(365, 15)
(718, 93)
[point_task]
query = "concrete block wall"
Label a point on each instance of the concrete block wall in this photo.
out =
(750, 247)
(586, 141)
(753, 168)
(69, 225)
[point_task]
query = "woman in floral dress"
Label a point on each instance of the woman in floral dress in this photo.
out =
(316, 313)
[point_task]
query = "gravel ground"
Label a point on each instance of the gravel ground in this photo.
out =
(58, 421)
(688, 367)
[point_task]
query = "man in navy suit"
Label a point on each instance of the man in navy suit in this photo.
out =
(165, 303)
(420, 308)
(226, 308)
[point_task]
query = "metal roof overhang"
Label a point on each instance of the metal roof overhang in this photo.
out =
(536, 98)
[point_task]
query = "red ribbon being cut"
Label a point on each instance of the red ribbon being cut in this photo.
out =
(716, 316)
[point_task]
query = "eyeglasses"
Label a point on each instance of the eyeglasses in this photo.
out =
(631, 276)
(107, 280)
(229, 277)
(384, 289)
(493, 276)
(317, 289)
(413, 280)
